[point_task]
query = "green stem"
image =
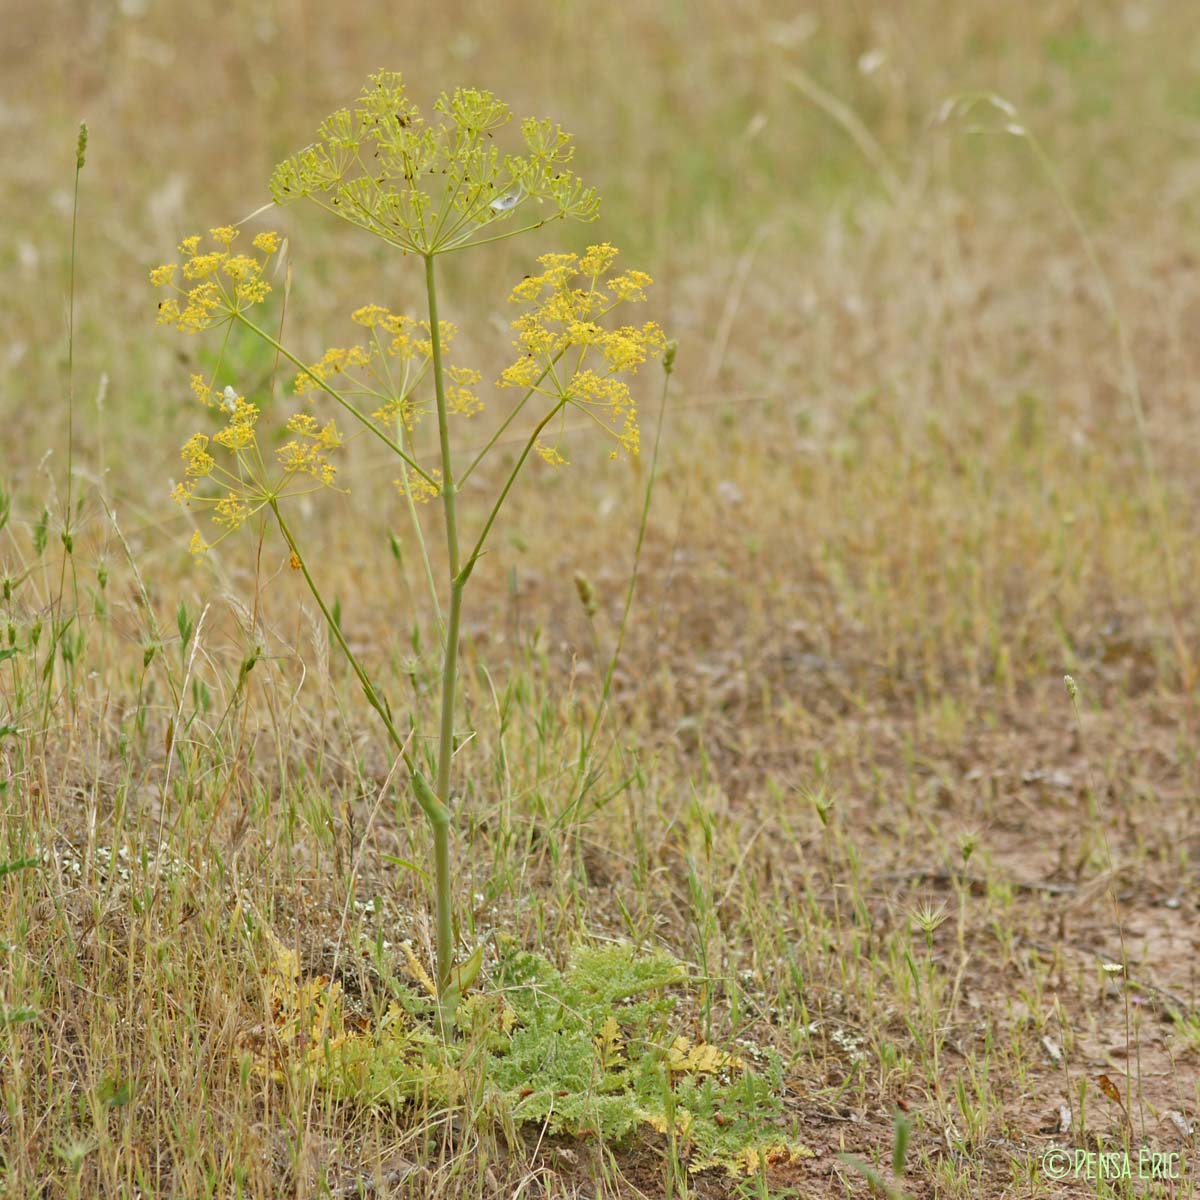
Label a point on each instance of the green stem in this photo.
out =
(420, 788)
(441, 830)
(512, 416)
(516, 411)
(512, 478)
(415, 518)
(499, 237)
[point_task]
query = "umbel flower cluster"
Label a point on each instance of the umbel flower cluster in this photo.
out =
(390, 373)
(223, 285)
(565, 355)
(430, 188)
(561, 335)
(213, 287)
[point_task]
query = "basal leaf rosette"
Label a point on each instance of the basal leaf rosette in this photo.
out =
(568, 355)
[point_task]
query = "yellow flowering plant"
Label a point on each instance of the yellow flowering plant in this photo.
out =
(427, 189)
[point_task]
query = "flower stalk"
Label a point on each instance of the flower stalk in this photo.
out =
(441, 827)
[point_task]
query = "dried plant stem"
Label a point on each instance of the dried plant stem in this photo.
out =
(58, 627)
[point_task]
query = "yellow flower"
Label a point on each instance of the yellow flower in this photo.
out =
(203, 392)
(598, 259)
(584, 333)
(524, 373)
(200, 266)
(460, 397)
(527, 290)
(409, 342)
(559, 268)
(267, 242)
(402, 345)
(400, 408)
(631, 286)
(195, 454)
(335, 361)
(425, 345)
(302, 423)
(251, 291)
(534, 336)
(420, 487)
(369, 315)
(625, 349)
(241, 266)
(306, 454)
(168, 313)
(196, 314)
(239, 433)
(383, 166)
(230, 510)
(565, 316)
(211, 302)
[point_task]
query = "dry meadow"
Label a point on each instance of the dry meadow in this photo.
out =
(929, 449)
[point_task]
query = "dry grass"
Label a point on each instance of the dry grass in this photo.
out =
(904, 493)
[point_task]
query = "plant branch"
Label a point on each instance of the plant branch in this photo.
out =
(357, 413)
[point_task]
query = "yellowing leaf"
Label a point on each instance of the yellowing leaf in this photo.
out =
(701, 1059)
(753, 1159)
(682, 1121)
(610, 1044)
(465, 974)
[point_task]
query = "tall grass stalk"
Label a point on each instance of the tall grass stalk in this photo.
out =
(58, 627)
